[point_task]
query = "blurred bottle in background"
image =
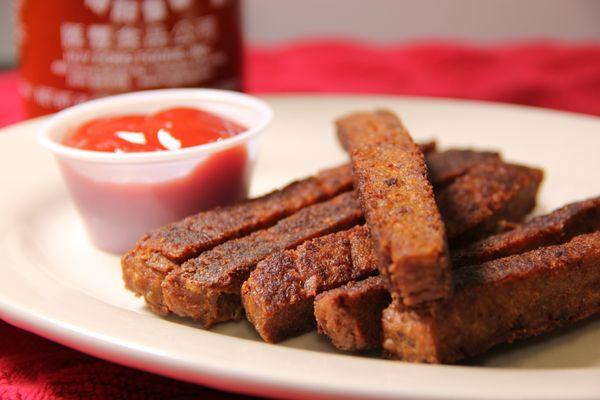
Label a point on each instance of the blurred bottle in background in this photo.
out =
(75, 50)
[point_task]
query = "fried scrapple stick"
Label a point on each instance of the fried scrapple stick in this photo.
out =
(498, 302)
(557, 227)
(158, 252)
(182, 240)
(352, 326)
(207, 288)
(391, 179)
(350, 316)
(496, 191)
(278, 296)
(279, 292)
(185, 239)
(445, 166)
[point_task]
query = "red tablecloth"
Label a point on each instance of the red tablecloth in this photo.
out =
(563, 77)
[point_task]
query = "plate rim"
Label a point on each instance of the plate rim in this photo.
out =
(256, 383)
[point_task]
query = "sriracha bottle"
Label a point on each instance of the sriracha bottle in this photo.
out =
(75, 50)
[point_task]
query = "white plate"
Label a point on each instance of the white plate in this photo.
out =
(53, 283)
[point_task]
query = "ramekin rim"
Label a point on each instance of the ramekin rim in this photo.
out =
(59, 149)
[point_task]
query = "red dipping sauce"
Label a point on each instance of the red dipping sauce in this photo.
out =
(171, 129)
(121, 201)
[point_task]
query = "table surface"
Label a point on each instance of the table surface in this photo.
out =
(558, 76)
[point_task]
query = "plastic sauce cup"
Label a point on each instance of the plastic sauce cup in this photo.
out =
(120, 196)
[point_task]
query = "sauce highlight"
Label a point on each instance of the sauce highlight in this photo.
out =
(170, 129)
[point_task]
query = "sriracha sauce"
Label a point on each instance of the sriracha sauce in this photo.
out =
(119, 210)
(170, 129)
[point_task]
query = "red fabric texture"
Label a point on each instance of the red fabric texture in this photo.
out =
(11, 110)
(33, 368)
(565, 77)
(540, 74)
(559, 76)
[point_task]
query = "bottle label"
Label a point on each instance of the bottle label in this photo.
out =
(102, 47)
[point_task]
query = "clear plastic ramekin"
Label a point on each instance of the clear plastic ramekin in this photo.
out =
(122, 195)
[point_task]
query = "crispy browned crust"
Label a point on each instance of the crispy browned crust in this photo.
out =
(207, 288)
(556, 227)
(156, 253)
(391, 179)
(486, 194)
(145, 266)
(278, 296)
(144, 270)
(445, 166)
(553, 228)
(184, 239)
(428, 147)
(500, 301)
(350, 316)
